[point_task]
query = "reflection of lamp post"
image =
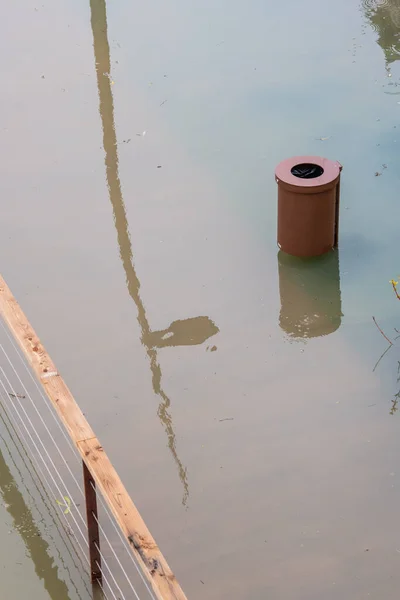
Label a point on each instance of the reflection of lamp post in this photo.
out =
(186, 332)
(310, 295)
(189, 332)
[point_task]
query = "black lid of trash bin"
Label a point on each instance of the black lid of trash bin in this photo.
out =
(307, 170)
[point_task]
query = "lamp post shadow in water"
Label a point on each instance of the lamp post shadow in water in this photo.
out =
(309, 288)
(185, 332)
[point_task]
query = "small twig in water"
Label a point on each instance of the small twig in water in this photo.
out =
(394, 286)
(381, 356)
(227, 419)
(395, 401)
(385, 336)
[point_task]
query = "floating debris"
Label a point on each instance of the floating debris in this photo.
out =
(109, 77)
(66, 504)
(379, 173)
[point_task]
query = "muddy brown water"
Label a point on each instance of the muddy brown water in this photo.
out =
(233, 389)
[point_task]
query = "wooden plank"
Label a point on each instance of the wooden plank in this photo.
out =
(92, 525)
(43, 367)
(142, 544)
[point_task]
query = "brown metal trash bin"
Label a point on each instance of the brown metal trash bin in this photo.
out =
(308, 205)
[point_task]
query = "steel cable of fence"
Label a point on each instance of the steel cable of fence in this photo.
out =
(103, 561)
(108, 585)
(129, 552)
(42, 493)
(16, 397)
(44, 398)
(44, 462)
(96, 464)
(116, 557)
(43, 422)
(102, 590)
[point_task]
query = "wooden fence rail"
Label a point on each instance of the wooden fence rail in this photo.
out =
(96, 465)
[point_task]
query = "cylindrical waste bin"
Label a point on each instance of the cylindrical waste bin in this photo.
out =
(308, 205)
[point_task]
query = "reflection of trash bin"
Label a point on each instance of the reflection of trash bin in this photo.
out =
(308, 205)
(310, 295)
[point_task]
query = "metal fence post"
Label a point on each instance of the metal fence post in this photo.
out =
(92, 524)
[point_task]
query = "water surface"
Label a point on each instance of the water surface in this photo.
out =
(139, 234)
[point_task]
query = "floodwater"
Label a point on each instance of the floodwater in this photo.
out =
(234, 388)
